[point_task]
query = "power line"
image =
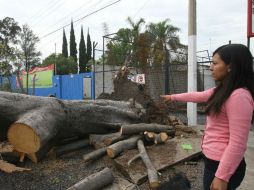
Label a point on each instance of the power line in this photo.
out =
(41, 16)
(62, 21)
(82, 18)
(141, 8)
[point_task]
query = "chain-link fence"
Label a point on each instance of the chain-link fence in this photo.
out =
(154, 78)
(165, 70)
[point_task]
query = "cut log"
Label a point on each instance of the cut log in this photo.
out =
(95, 181)
(71, 147)
(141, 127)
(117, 148)
(161, 138)
(99, 141)
(39, 122)
(149, 136)
(155, 137)
(151, 171)
(33, 131)
(95, 154)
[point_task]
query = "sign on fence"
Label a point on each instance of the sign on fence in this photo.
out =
(138, 78)
(38, 77)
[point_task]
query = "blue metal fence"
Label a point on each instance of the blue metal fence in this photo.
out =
(5, 80)
(67, 87)
(72, 87)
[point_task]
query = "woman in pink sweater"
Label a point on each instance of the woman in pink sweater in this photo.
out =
(229, 116)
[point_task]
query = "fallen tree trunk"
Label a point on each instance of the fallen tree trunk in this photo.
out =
(39, 122)
(151, 171)
(141, 127)
(71, 147)
(95, 181)
(117, 148)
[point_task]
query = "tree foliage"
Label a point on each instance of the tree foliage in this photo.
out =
(9, 31)
(164, 37)
(64, 65)
(123, 49)
(73, 45)
(143, 49)
(120, 48)
(65, 45)
(28, 54)
(82, 53)
(132, 47)
(89, 47)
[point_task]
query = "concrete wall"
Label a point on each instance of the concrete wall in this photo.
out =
(109, 74)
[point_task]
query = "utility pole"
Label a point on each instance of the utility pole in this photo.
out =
(55, 60)
(27, 76)
(103, 64)
(192, 62)
(27, 70)
(94, 45)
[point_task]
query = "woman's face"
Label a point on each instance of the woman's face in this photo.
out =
(218, 68)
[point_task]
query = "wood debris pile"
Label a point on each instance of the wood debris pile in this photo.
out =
(35, 126)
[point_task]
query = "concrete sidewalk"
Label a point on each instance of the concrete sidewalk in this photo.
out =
(248, 182)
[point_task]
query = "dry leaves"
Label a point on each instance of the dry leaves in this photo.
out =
(9, 168)
(5, 147)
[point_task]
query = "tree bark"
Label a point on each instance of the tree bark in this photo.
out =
(142, 127)
(115, 149)
(39, 122)
(95, 154)
(95, 181)
(151, 171)
(71, 147)
(99, 141)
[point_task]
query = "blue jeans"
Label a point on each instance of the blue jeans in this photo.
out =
(210, 170)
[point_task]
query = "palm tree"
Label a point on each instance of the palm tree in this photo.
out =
(135, 32)
(135, 26)
(164, 36)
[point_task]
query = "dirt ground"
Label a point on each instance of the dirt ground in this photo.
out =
(61, 173)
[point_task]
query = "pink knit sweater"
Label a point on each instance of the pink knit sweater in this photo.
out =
(226, 134)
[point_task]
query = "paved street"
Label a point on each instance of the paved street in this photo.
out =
(248, 182)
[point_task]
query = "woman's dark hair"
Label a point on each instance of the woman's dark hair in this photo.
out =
(241, 75)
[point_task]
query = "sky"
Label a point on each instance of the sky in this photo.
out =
(218, 21)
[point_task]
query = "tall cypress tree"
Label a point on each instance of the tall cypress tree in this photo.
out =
(73, 45)
(65, 45)
(82, 53)
(89, 47)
